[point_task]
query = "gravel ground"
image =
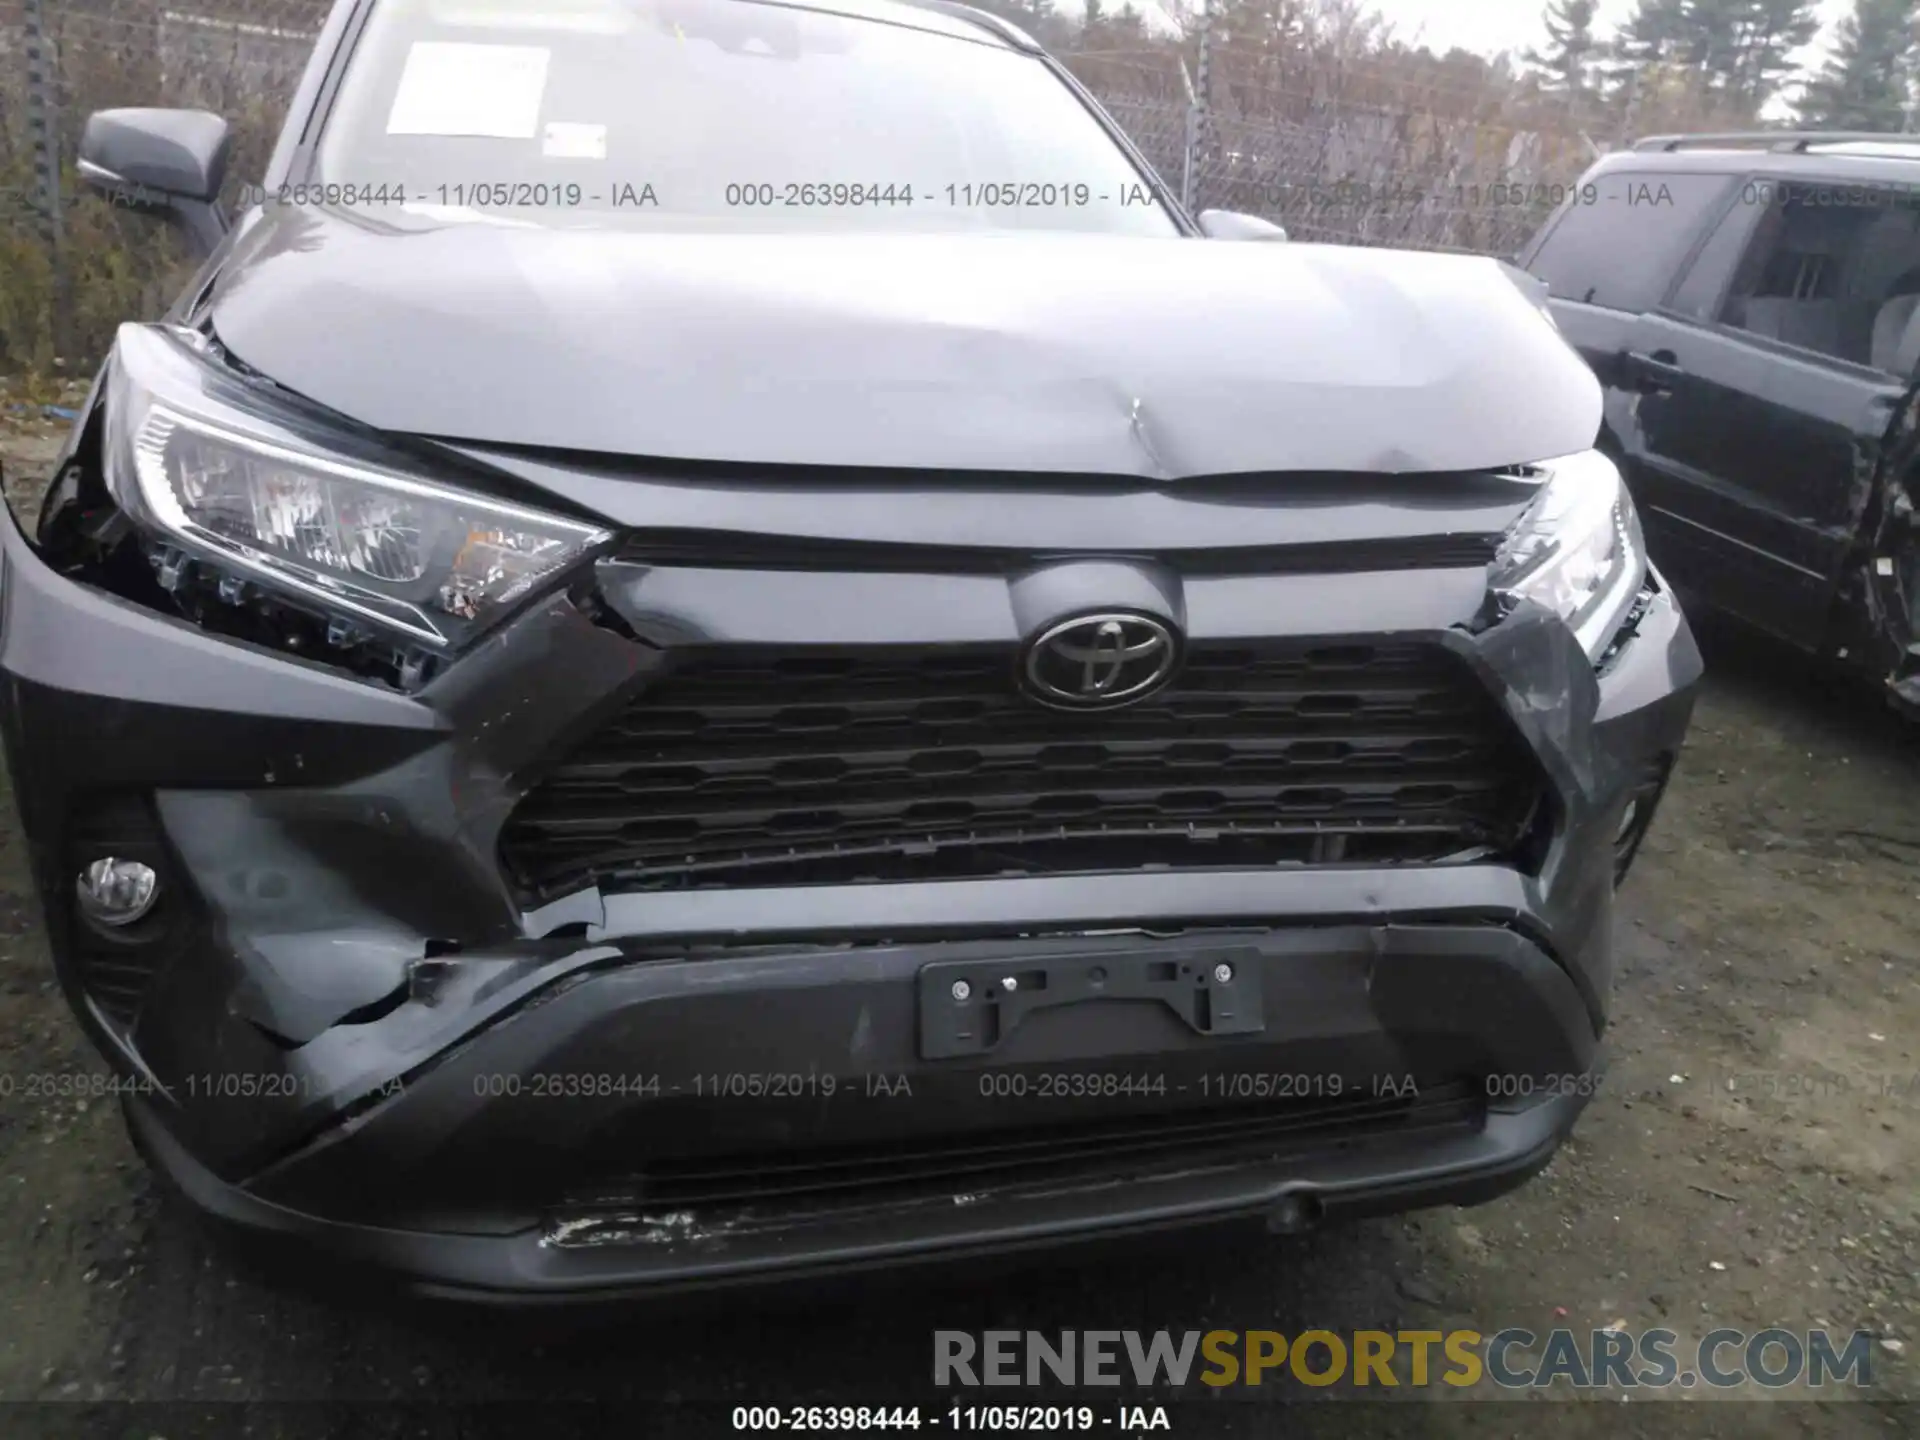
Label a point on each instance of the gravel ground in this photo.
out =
(1768, 931)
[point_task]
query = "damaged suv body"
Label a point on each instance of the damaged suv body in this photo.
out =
(573, 748)
(1751, 303)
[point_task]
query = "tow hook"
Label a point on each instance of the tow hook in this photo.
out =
(1294, 1214)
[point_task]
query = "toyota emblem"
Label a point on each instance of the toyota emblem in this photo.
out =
(1097, 661)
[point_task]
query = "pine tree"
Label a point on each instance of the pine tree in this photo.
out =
(1565, 65)
(1733, 52)
(1652, 36)
(1129, 25)
(1768, 32)
(1866, 83)
(1708, 38)
(1653, 32)
(1262, 44)
(1738, 49)
(1275, 26)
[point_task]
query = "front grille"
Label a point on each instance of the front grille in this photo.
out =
(773, 1186)
(783, 765)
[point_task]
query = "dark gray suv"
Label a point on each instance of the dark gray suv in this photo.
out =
(717, 642)
(1751, 306)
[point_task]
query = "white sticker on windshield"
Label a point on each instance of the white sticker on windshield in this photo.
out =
(568, 140)
(455, 89)
(598, 17)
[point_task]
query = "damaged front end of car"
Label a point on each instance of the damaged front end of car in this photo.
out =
(325, 585)
(358, 773)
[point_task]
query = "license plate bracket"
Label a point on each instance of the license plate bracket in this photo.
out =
(968, 1007)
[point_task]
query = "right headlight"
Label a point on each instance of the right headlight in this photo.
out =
(1577, 549)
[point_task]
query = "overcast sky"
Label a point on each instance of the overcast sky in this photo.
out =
(1490, 26)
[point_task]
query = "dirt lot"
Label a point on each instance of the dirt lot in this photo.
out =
(1768, 943)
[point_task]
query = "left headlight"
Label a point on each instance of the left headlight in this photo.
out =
(1577, 549)
(252, 487)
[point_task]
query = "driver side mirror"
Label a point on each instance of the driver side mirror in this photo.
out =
(1234, 225)
(163, 162)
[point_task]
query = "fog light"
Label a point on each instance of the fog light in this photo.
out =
(117, 892)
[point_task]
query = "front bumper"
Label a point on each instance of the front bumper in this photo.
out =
(350, 1032)
(631, 1257)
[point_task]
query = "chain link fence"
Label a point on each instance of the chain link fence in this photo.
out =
(1336, 147)
(71, 266)
(1353, 158)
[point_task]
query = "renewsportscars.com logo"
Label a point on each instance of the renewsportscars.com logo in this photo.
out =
(1509, 1359)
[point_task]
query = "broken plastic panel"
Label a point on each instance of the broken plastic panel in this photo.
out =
(1578, 549)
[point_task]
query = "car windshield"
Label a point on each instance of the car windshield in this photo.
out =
(715, 115)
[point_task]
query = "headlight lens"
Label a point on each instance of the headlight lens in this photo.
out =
(260, 492)
(1577, 549)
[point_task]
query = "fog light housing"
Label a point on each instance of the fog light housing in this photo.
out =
(1636, 816)
(1628, 819)
(115, 892)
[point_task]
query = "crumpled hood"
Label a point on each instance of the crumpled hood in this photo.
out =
(1079, 354)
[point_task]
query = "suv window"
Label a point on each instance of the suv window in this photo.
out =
(1834, 268)
(1620, 239)
(717, 115)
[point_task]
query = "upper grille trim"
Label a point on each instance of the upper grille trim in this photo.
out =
(702, 549)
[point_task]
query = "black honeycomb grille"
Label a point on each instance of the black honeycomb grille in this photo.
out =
(778, 1187)
(782, 765)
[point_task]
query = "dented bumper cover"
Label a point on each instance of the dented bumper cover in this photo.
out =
(351, 1030)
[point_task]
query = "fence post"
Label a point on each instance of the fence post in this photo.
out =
(1186, 139)
(43, 145)
(1197, 108)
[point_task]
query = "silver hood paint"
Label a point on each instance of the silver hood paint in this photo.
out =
(1079, 354)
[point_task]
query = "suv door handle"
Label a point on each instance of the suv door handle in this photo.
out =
(1657, 372)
